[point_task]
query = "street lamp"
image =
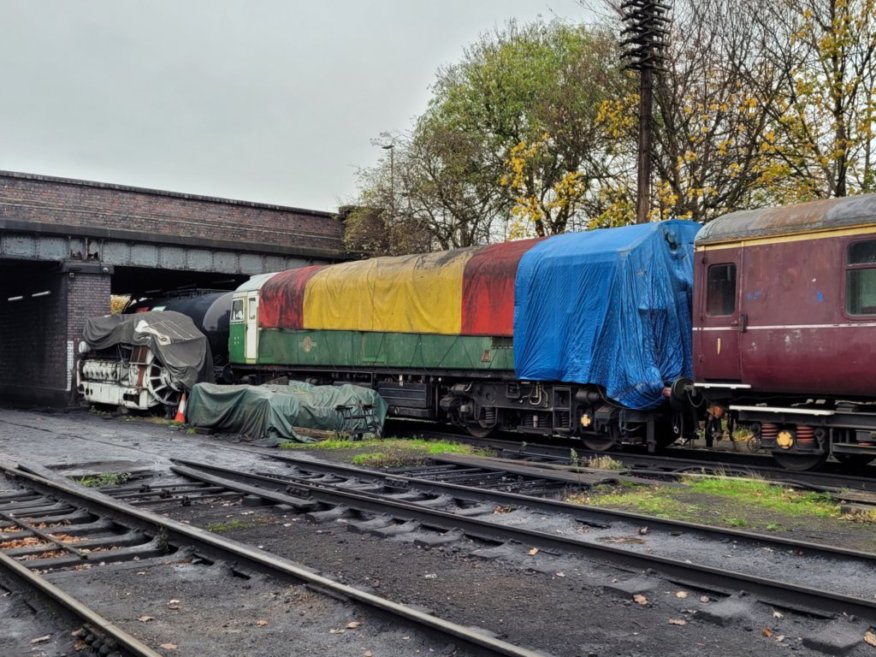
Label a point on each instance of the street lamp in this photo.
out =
(391, 148)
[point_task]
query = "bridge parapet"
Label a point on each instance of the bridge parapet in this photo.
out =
(47, 205)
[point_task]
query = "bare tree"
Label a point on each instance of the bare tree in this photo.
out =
(826, 52)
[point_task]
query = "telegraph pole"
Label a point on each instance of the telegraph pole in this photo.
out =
(644, 40)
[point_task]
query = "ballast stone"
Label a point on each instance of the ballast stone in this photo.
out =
(838, 638)
(630, 587)
(726, 612)
(434, 540)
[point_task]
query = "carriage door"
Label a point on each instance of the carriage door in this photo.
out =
(722, 320)
(252, 327)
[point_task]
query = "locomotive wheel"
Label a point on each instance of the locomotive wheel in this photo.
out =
(799, 462)
(477, 431)
(598, 443)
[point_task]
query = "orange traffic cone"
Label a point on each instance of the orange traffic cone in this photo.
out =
(181, 410)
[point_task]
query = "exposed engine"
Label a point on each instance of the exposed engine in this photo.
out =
(134, 379)
(141, 361)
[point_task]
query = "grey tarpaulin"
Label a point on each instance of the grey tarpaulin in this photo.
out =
(273, 410)
(172, 337)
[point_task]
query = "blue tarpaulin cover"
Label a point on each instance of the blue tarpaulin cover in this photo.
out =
(610, 307)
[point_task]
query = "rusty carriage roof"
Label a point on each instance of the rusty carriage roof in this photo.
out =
(824, 216)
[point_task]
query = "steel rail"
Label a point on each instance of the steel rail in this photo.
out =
(783, 593)
(683, 459)
(88, 615)
(265, 561)
(583, 514)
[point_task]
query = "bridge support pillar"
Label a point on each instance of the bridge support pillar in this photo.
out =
(41, 322)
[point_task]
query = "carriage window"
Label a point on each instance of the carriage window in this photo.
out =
(237, 310)
(861, 279)
(721, 293)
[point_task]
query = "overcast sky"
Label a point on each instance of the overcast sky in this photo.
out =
(275, 101)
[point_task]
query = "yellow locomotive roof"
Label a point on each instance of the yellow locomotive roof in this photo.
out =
(804, 219)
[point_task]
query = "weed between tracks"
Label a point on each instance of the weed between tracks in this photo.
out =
(742, 503)
(387, 452)
(236, 524)
(103, 479)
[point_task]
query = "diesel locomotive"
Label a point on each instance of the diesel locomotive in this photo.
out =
(762, 319)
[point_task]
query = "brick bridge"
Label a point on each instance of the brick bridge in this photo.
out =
(66, 245)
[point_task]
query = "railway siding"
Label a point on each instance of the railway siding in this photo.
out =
(545, 597)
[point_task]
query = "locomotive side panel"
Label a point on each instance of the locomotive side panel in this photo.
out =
(421, 352)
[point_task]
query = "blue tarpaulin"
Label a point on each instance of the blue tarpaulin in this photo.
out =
(610, 307)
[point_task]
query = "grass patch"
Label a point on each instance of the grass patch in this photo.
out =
(103, 479)
(387, 452)
(724, 501)
(641, 499)
(605, 463)
(331, 443)
(235, 524)
(767, 496)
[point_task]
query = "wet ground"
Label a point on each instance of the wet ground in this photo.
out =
(559, 605)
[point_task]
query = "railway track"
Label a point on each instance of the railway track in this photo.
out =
(392, 505)
(674, 462)
(51, 528)
(535, 592)
(38, 533)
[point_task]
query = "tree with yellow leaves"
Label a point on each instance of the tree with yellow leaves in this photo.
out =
(510, 145)
(712, 116)
(825, 112)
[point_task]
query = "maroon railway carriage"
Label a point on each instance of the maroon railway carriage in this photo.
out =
(785, 327)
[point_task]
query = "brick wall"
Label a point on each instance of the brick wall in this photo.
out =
(88, 295)
(40, 334)
(32, 351)
(150, 214)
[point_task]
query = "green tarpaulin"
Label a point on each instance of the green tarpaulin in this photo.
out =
(272, 411)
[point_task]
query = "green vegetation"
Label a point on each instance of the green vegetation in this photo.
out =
(604, 463)
(641, 499)
(512, 138)
(724, 501)
(235, 524)
(389, 452)
(103, 479)
(764, 495)
(533, 130)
